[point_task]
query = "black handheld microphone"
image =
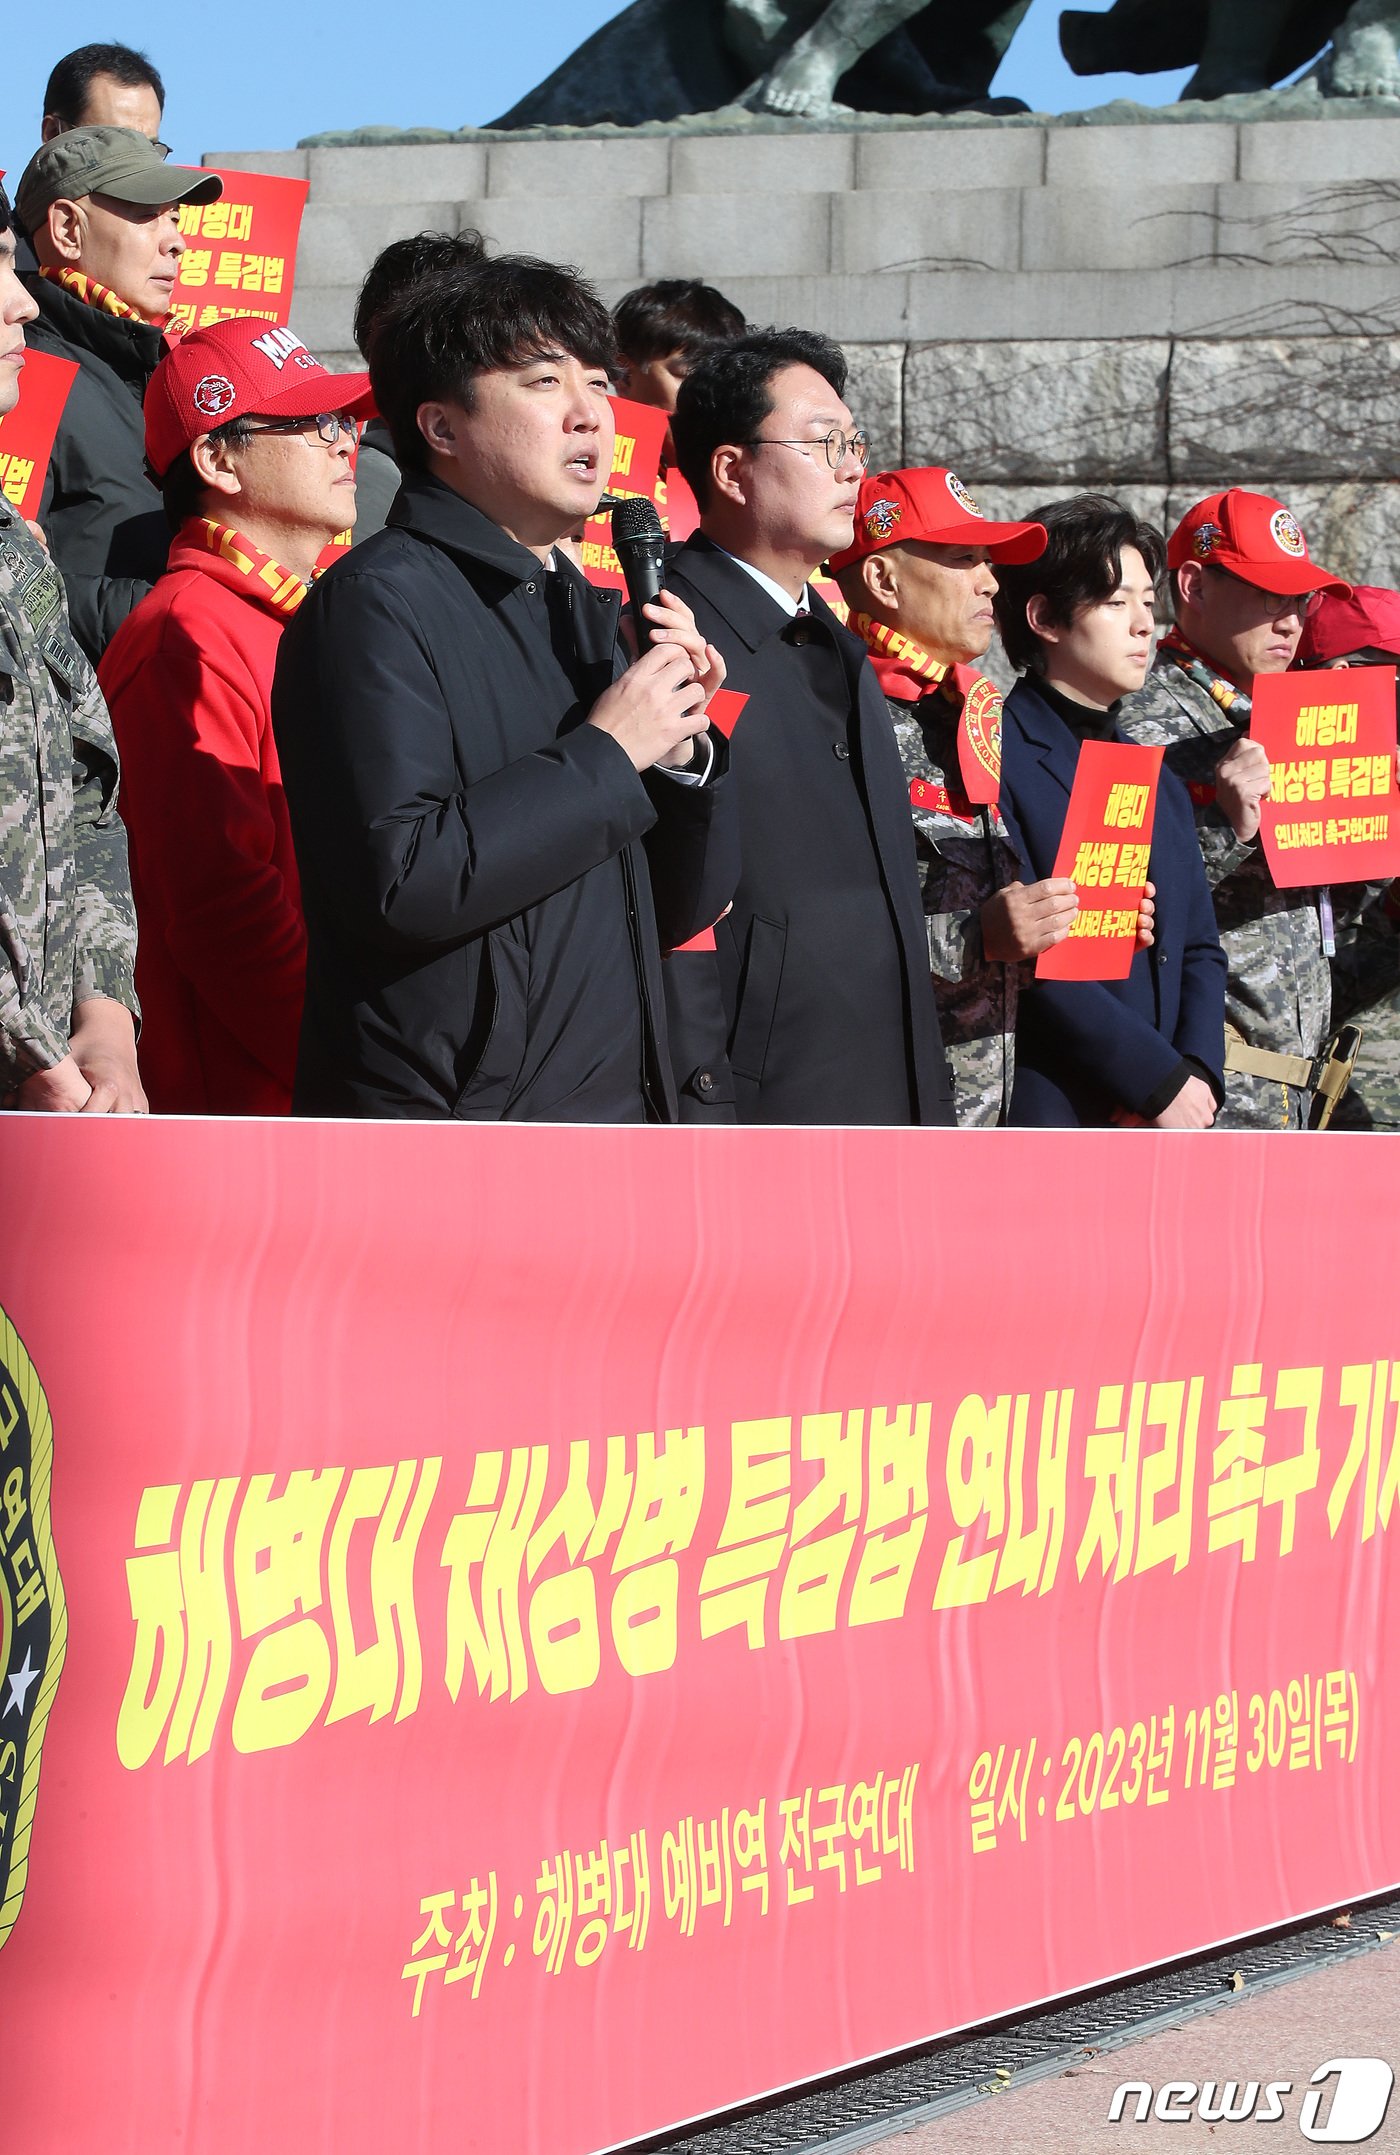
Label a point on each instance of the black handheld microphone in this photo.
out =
(640, 545)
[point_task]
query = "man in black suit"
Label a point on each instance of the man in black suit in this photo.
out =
(823, 958)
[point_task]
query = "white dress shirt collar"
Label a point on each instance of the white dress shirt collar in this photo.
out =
(790, 605)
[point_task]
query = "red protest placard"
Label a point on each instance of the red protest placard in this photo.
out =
(27, 433)
(240, 253)
(1333, 815)
(1105, 846)
(636, 469)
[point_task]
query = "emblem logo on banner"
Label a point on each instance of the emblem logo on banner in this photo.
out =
(33, 1615)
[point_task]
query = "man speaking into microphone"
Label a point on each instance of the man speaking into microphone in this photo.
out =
(499, 820)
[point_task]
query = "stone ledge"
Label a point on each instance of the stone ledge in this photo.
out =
(1044, 412)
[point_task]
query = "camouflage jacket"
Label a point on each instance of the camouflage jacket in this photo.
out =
(1278, 994)
(67, 928)
(963, 861)
(1366, 992)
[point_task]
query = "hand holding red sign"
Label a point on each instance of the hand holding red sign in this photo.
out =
(1333, 812)
(1105, 848)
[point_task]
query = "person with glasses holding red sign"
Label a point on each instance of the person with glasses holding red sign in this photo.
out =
(1243, 584)
(822, 961)
(252, 441)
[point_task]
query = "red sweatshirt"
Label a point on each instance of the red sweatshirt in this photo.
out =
(221, 955)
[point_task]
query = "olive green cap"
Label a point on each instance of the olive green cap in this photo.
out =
(115, 161)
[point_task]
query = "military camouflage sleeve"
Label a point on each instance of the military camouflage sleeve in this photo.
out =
(1221, 850)
(955, 946)
(28, 1042)
(104, 957)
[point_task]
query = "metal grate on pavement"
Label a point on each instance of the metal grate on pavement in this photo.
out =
(830, 2117)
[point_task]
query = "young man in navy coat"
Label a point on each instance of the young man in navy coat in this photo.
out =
(1148, 1050)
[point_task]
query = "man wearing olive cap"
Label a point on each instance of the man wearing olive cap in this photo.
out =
(1243, 584)
(100, 206)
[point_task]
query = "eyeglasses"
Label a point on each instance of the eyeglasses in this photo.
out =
(1271, 603)
(329, 425)
(838, 446)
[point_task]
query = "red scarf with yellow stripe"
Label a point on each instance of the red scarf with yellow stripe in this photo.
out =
(277, 588)
(93, 294)
(906, 673)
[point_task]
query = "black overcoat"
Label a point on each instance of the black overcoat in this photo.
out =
(823, 961)
(484, 875)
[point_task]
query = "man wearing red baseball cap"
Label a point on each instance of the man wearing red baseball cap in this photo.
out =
(250, 440)
(918, 582)
(1364, 630)
(1243, 584)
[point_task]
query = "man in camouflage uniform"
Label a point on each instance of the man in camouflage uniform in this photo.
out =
(67, 929)
(1364, 630)
(918, 584)
(1243, 584)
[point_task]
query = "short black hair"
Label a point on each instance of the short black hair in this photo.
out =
(68, 85)
(726, 398)
(182, 490)
(677, 314)
(1086, 537)
(405, 262)
(433, 339)
(7, 215)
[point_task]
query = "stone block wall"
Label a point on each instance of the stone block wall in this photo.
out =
(1157, 310)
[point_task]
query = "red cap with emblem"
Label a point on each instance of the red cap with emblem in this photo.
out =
(232, 370)
(933, 505)
(1255, 538)
(1368, 619)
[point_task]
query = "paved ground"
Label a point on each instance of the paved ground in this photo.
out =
(1348, 2009)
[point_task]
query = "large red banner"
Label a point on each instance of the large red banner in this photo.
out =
(571, 1629)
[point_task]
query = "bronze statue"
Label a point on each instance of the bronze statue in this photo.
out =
(1241, 45)
(664, 59)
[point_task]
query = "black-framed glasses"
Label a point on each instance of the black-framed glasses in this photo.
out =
(838, 446)
(329, 425)
(1273, 603)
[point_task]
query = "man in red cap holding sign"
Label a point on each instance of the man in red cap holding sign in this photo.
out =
(918, 581)
(1364, 630)
(251, 440)
(1243, 585)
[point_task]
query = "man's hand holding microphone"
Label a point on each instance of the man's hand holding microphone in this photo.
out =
(656, 710)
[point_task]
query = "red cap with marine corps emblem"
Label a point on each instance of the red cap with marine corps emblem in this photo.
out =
(232, 370)
(933, 505)
(1255, 538)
